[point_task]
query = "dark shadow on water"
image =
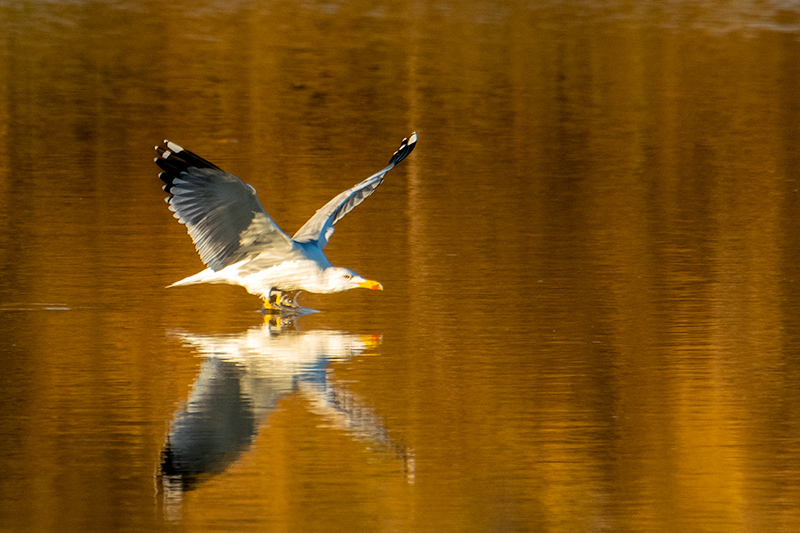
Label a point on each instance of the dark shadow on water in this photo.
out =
(242, 378)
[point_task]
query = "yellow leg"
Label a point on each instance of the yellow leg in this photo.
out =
(269, 306)
(272, 302)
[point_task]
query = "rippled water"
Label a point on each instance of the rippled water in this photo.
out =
(590, 321)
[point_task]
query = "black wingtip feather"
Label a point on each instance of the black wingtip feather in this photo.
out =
(167, 165)
(173, 159)
(406, 147)
(182, 158)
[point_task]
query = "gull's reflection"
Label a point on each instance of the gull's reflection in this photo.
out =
(242, 378)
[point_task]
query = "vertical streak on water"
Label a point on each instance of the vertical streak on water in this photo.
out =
(4, 124)
(415, 210)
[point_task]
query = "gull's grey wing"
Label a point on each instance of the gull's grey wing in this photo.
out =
(222, 214)
(319, 228)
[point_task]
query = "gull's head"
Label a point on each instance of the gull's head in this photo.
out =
(338, 279)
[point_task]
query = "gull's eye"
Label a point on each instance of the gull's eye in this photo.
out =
(347, 276)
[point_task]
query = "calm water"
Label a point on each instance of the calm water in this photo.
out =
(591, 262)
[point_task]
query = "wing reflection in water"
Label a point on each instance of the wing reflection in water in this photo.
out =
(241, 379)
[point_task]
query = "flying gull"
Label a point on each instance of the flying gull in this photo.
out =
(242, 245)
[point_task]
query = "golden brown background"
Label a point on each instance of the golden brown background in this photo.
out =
(591, 319)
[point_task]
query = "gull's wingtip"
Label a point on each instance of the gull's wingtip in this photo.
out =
(405, 148)
(175, 147)
(169, 146)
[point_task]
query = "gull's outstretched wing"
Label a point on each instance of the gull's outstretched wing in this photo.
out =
(222, 214)
(319, 228)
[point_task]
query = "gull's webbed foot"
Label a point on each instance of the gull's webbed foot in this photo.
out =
(289, 299)
(281, 302)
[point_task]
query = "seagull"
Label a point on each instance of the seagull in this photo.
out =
(239, 242)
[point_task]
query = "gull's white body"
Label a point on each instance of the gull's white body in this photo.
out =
(289, 276)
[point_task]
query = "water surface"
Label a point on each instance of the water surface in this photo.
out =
(591, 315)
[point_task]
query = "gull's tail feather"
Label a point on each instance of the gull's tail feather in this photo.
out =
(206, 276)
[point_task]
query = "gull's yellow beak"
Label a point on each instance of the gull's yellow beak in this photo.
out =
(372, 285)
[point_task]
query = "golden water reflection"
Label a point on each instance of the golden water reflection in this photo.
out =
(241, 380)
